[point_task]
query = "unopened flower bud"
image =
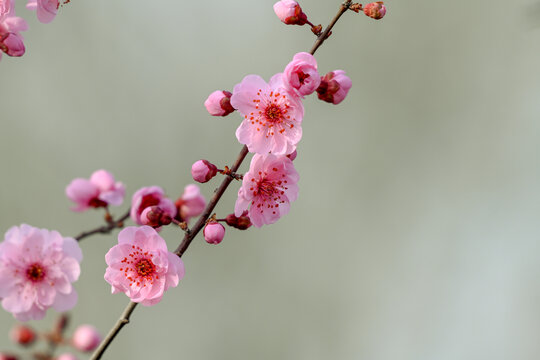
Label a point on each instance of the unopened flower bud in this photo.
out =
(290, 13)
(219, 103)
(241, 223)
(4, 356)
(292, 155)
(334, 87)
(375, 10)
(86, 338)
(214, 232)
(22, 335)
(203, 170)
(67, 356)
(155, 216)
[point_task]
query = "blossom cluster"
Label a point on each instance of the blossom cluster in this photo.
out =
(11, 40)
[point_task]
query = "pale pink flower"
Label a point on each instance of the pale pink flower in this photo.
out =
(219, 103)
(141, 267)
(272, 115)
(46, 9)
(267, 189)
(191, 203)
(150, 196)
(86, 338)
(334, 87)
(213, 232)
(203, 170)
(100, 191)
(37, 267)
(301, 74)
(11, 42)
(289, 12)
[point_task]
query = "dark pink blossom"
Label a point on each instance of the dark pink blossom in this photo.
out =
(141, 266)
(37, 268)
(11, 41)
(267, 189)
(100, 190)
(334, 87)
(301, 74)
(272, 115)
(150, 196)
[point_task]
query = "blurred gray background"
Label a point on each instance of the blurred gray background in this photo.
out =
(416, 232)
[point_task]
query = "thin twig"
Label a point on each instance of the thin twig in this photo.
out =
(105, 229)
(122, 321)
(181, 249)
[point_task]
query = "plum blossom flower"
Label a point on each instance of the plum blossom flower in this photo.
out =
(11, 42)
(191, 203)
(334, 87)
(100, 191)
(150, 196)
(214, 232)
(267, 189)
(301, 74)
(219, 103)
(141, 267)
(290, 13)
(86, 338)
(272, 115)
(46, 9)
(203, 170)
(37, 269)
(375, 10)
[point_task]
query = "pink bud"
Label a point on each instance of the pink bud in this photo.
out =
(202, 171)
(22, 335)
(67, 356)
(334, 87)
(86, 338)
(4, 356)
(214, 232)
(290, 13)
(219, 103)
(155, 216)
(375, 10)
(241, 223)
(292, 155)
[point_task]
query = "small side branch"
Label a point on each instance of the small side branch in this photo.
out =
(105, 229)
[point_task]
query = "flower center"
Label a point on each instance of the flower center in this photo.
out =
(35, 272)
(273, 113)
(266, 188)
(145, 267)
(148, 200)
(302, 77)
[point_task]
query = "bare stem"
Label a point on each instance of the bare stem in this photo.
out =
(190, 235)
(122, 321)
(105, 229)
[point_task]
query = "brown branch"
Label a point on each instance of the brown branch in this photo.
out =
(190, 235)
(105, 229)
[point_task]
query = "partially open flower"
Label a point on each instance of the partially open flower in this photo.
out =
(150, 196)
(334, 87)
(290, 13)
(214, 232)
(219, 103)
(375, 10)
(86, 338)
(11, 41)
(301, 74)
(191, 203)
(100, 190)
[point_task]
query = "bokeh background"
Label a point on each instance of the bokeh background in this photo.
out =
(416, 233)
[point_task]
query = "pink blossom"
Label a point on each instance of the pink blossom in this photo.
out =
(334, 87)
(22, 335)
(46, 9)
(141, 267)
(66, 356)
(11, 42)
(191, 203)
(272, 115)
(375, 10)
(267, 189)
(214, 232)
(150, 196)
(219, 103)
(37, 267)
(203, 170)
(289, 12)
(100, 191)
(301, 74)
(86, 338)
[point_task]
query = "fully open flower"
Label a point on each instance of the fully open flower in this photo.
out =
(272, 115)
(267, 189)
(37, 267)
(301, 74)
(141, 267)
(11, 42)
(101, 190)
(150, 196)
